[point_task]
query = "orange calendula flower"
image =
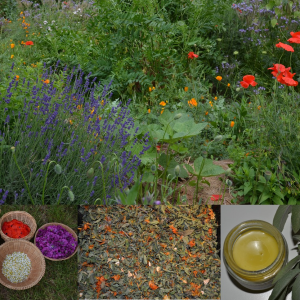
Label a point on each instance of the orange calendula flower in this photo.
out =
(17, 77)
(162, 112)
(228, 84)
(12, 46)
(153, 88)
(12, 56)
(175, 230)
(192, 243)
(150, 89)
(47, 81)
(152, 285)
(186, 89)
(163, 103)
(211, 104)
(216, 98)
(258, 107)
(149, 110)
(192, 102)
(219, 78)
(231, 124)
(206, 113)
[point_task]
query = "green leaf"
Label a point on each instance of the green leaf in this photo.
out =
(190, 169)
(278, 193)
(208, 168)
(132, 195)
(283, 283)
(281, 216)
(296, 14)
(270, 5)
(273, 22)
(296, 237)
(296, 218)
(292, 201)
(289, 266)
(296, 289)
(193, 183)
(276, 200)
(264, 196)
(247, 187)
(179, 148)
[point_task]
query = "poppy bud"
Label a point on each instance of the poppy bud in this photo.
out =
(228, 182)
(178, 116)
(228, 172)
(90, 173)
(268, 175)
(237, 89)
(13, 149)
(153, 168)
(71, 195)
(57, 169)
(235, 52)
(177, 170)
(219, 40)
(218, 138)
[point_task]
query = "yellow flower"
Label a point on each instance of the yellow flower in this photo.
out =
(12, 46)
(79, 106)
(149, 110)
(153, 88)
(17, 77)
(219, 78)
(102, 102)
(186, 89)
(211, 104)
(71, 122)
(228, 84)
(12, 56)
(150, 89)
(192, 102)
(21, 13)
(231, 124)
(216, 98)
(163, 103)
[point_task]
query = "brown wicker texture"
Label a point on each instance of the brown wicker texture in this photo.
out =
(38, 264)
(65, 227)
(22, 216)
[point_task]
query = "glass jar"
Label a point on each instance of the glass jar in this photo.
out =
(260, 279)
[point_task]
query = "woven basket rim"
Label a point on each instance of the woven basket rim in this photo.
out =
(25, 213)
(42, 265)
(69, 229)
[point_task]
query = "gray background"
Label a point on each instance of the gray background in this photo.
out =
(232, 215)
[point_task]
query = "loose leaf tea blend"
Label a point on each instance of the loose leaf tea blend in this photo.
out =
(146, 252)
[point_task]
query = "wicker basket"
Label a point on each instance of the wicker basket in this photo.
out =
(22, 216)
(38, 264)
(66, 228)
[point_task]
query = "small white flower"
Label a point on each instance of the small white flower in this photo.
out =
(49, 28)
(45, 22)
(53, 21)
(75, 12)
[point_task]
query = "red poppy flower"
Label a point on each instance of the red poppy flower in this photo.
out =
(29, 43)
(216, 197)
(192, 55)
(248, 80)
(285, 47)
(295, 37)
(15, 229)
(286, 78)
(277, 68)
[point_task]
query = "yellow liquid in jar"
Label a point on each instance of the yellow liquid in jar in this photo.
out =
(255, 250)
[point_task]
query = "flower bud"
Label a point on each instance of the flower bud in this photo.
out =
(126, 190)
(228, 182)
(268, 175)
(177, 170)
(218, 138)
(57, 169)
(90, 173)
(237, 89)
(235, 52)
(228, 172)
(219, 40)
(178, 116)
(13, 149)
(71, 195)
(153, 168)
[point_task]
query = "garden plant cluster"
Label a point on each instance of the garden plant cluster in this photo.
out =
(129, 102)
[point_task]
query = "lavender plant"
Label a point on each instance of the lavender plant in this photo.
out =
(72, 127)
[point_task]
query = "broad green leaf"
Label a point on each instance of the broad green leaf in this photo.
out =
(270, 5)
(292, 201)
(281, 216)
(283, 283)
(247, 187)
(273, 22)
(289, 266)
(264, 196)
(208, 168)
(262, 179)
(190, 169)
(296, 14)
(278, 11)
(296, 218)
(276, 199)
(278, 193)
(148, 177)
(296, 289)
(132, 195)
(193, 183)
(171, 170)
(179, 148)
